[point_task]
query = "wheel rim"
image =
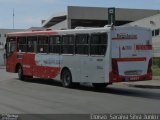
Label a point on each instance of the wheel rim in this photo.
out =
(67, 79)
(19, 73)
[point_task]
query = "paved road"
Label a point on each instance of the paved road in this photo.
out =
(40, 96)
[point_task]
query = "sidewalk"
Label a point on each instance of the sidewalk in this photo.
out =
(153, 84)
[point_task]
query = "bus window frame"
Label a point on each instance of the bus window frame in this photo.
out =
(88, 44)
(18, 44)
(106, 45)
(73, 36)
(50, 45)
(35, 46)
(46, 44)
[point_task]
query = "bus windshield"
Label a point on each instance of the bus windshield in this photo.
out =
(10, 46)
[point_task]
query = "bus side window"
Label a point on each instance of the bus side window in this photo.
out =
(42, 46)
(32, 44)
(67, 44)
(98, 44)
(22, 44)
(82, 46)
(54, 44)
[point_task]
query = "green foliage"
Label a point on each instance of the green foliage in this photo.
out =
(156, 62)
(156, 70)
(159, 62)
(156, 67)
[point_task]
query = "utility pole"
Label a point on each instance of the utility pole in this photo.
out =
(13, 18)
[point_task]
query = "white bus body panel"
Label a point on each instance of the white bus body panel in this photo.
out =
(87, 68)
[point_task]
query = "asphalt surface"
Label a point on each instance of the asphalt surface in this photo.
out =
(36, 96)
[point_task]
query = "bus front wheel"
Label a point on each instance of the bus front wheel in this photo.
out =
(66, 78)
(20, 73)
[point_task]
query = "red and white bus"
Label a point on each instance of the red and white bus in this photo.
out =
(99, 56)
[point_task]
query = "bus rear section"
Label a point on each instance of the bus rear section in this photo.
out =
(131, 54)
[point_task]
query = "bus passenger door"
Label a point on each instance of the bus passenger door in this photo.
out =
(85, 68)
(10, 54)
(93, 69)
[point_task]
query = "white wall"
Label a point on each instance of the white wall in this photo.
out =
(59, 26)
(152, 23)
(1, 57)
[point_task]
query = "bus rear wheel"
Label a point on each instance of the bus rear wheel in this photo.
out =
(66, 78)
(20, 73)
(99, 85)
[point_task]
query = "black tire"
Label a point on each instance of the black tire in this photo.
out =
(66, 78)
(29, 77)
(26, 78)
(99, 85)
(20, 73)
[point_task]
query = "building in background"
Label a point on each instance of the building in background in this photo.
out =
(35, 29)
(94, 17)
(153, 23)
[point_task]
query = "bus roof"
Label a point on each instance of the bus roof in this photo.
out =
(59, 32)
(79, 30)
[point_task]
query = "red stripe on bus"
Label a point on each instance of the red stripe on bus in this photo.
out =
(130, 59)
(124, 38)
(32, 33)
(143, 47)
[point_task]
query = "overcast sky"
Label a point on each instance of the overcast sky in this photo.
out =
(29, 13)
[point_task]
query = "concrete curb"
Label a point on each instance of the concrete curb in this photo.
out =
(156, 77)
(151, 84)
(144, 86)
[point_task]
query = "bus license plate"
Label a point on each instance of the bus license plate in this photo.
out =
(131, 78)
